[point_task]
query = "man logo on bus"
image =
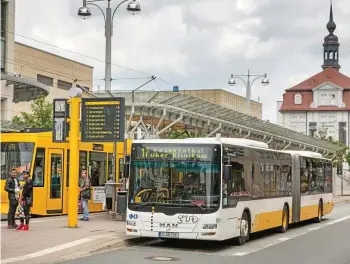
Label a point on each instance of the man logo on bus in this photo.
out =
(168, 225)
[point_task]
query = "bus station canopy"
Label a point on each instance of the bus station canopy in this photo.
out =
(156, 112)
(25, 89)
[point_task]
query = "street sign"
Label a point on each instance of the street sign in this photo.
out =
(102, 119)
(60, 125)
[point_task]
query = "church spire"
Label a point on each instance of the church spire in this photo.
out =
(331, 45)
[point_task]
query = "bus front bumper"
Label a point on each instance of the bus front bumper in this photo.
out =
(204, 235)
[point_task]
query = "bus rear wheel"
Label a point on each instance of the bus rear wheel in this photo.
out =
(318, 219)
(244, 230)
(285, 220)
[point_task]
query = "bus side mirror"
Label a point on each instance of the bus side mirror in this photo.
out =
(126, 170)
(228, 172)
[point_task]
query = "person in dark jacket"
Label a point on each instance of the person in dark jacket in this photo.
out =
(12, 187)
(26, 201)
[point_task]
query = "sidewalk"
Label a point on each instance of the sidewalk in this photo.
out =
(341, 199)
(50, 240)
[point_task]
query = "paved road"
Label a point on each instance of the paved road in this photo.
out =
(307, 243)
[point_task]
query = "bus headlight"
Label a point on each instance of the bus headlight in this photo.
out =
(210, 226)
(131, 223)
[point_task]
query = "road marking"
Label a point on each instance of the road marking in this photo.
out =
(53, 249)
(283, 239)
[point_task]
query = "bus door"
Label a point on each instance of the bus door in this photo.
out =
(55, 182)
(296, 198)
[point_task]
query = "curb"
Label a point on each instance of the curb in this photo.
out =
(347, 200)
(111, 245)
(129, 242)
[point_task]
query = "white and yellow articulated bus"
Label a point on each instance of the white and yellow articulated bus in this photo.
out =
(222, 188)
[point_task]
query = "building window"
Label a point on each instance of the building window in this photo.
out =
(332, 99)
(297, 99)
(45, 80)
(3, 108)
(3, 55)
(3, 19)
(64, 85)
(323, 99)
(312, 128)
(342, 132)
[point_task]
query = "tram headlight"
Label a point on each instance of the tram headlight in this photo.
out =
(131, 223)
(210, 226)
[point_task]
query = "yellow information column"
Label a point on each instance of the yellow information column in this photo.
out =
(74, 160)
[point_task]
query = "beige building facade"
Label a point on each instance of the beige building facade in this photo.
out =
(28, 73)
(227, 99)
(51, 70)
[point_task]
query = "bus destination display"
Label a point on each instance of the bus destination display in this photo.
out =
(102, 119)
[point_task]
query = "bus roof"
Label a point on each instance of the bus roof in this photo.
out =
(212, 140)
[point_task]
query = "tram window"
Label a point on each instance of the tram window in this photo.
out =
(56, 176)
(121, 168)
(39, 167)
(304, 175)
(110, 164)
(82, 163)
(98, 170)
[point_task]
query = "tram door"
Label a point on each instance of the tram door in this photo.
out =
(55, 181)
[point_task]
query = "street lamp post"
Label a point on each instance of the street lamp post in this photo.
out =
(84, 12)
(248, 84)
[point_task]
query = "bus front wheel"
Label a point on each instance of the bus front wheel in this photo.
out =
(244, 230)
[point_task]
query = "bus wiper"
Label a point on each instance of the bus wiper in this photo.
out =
(146, 204)
(203, 208)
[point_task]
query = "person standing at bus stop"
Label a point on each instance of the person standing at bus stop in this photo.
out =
(26, 201)
(85, 194)
(12, 187)
(109, 193)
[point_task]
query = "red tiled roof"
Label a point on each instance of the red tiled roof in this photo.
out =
(328, 75)
(288, 102)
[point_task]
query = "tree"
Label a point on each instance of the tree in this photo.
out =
(341, 154)
(181, 134)
(40, 116)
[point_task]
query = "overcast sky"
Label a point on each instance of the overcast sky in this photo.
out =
(196, 43)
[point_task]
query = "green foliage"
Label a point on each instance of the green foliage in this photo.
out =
(40, 116)
(341, 154)
(181, 134)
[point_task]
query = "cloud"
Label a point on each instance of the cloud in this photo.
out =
(196, 43)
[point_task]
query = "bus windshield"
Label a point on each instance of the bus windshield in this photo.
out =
(175, 174)
(16, 155)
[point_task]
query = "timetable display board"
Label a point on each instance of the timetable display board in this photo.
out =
(60, 126)
(103, 119)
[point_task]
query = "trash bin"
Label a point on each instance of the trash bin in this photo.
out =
(121, 203)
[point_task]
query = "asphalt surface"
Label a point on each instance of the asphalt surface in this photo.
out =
(327, 242)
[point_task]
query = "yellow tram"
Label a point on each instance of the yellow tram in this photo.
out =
(48, 163)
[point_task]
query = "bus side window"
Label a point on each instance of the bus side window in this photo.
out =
(39, 166)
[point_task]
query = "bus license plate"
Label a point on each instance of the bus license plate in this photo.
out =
(168, 235)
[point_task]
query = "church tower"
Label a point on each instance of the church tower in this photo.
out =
(331, 46)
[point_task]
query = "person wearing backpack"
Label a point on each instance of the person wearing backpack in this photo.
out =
(85, 194)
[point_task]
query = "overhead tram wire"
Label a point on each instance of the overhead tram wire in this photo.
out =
(90, 57)
(30, 66)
